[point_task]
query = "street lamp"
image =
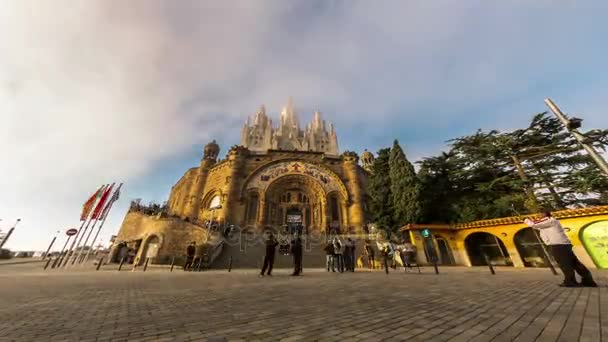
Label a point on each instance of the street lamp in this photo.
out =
(10, 231)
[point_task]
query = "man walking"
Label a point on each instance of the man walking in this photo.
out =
(271, 245)
(559, 244)
(296, 250)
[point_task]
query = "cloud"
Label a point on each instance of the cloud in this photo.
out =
(98, 91)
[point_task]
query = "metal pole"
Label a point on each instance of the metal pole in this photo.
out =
(435, 266)
(99, 264)
(51, 245)
(601, 163)
(77, 257)
(10, 231)
(73, 242)
(230, 264)
(489, 263)
(47, 263)
(172, 264)
(146, 264)
(61, 255)
(105, 213)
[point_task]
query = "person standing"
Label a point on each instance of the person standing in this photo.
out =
(369, 251)
(385, 251)
(329, 256)
(352, 254)
(339, 254)
(271, 245)
(296, 250)
(190, 250)
(559, 244)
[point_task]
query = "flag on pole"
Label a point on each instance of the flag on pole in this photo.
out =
(100, 205)
(113, 199)
(88, 205)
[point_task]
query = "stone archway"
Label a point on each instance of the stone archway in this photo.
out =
(149, 249)
(294, 193)
(479, 244)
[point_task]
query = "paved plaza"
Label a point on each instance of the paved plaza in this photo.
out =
(459, 304)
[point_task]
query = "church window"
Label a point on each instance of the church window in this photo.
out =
(300, 198)
(215, 202)
(333, 202)
(253, 208)
(288, 197)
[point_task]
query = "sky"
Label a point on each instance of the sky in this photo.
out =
(94, 92)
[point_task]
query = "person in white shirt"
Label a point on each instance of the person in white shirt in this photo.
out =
(554, 236)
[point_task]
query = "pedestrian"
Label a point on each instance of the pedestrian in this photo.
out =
(353, 246)
(369, 251)
(407, 255)
(559, 244)
(339, 254)
(349, 255)
(385, 251)
(296, 250)
(329, 256)
(190, 250)
(271, 245)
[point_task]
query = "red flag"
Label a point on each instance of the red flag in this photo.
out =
(102, 201)
(88, 205)
(113, 199)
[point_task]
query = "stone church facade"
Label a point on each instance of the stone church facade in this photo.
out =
(274, 174)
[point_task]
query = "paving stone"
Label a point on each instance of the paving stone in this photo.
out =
(461, 304)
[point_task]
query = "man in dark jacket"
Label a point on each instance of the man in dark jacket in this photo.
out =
(271, 245)
(296, 250)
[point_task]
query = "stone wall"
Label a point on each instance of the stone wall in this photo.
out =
(173, 234)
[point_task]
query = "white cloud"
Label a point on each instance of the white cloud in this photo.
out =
(97, 91)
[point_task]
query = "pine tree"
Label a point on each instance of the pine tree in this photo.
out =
(379, 191)
(405, 188)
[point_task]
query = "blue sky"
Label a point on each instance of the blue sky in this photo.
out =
(104, 91)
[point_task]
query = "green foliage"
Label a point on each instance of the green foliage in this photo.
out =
(405, 188)
(478, 178)
(379, 191)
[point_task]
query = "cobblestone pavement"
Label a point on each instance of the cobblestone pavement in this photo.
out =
(460, 304)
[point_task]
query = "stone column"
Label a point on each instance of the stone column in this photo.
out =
(195, 195)
(236, 160)
(351, 170)
(261, 219)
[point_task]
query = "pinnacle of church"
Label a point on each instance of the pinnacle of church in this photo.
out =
(261, 135)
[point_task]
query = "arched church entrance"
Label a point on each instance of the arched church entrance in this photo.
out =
(481, 245)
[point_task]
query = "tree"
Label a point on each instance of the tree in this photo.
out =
(405, 188)
(379, 191)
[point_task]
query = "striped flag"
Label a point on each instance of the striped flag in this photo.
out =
(113, 199)
(100, 205)
(88, 205)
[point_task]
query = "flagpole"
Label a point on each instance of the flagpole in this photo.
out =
(77, 257)
(67, 254)
(105, 215)
(94, 216)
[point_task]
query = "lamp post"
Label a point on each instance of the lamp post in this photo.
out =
(572, 126)
(10, 231)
